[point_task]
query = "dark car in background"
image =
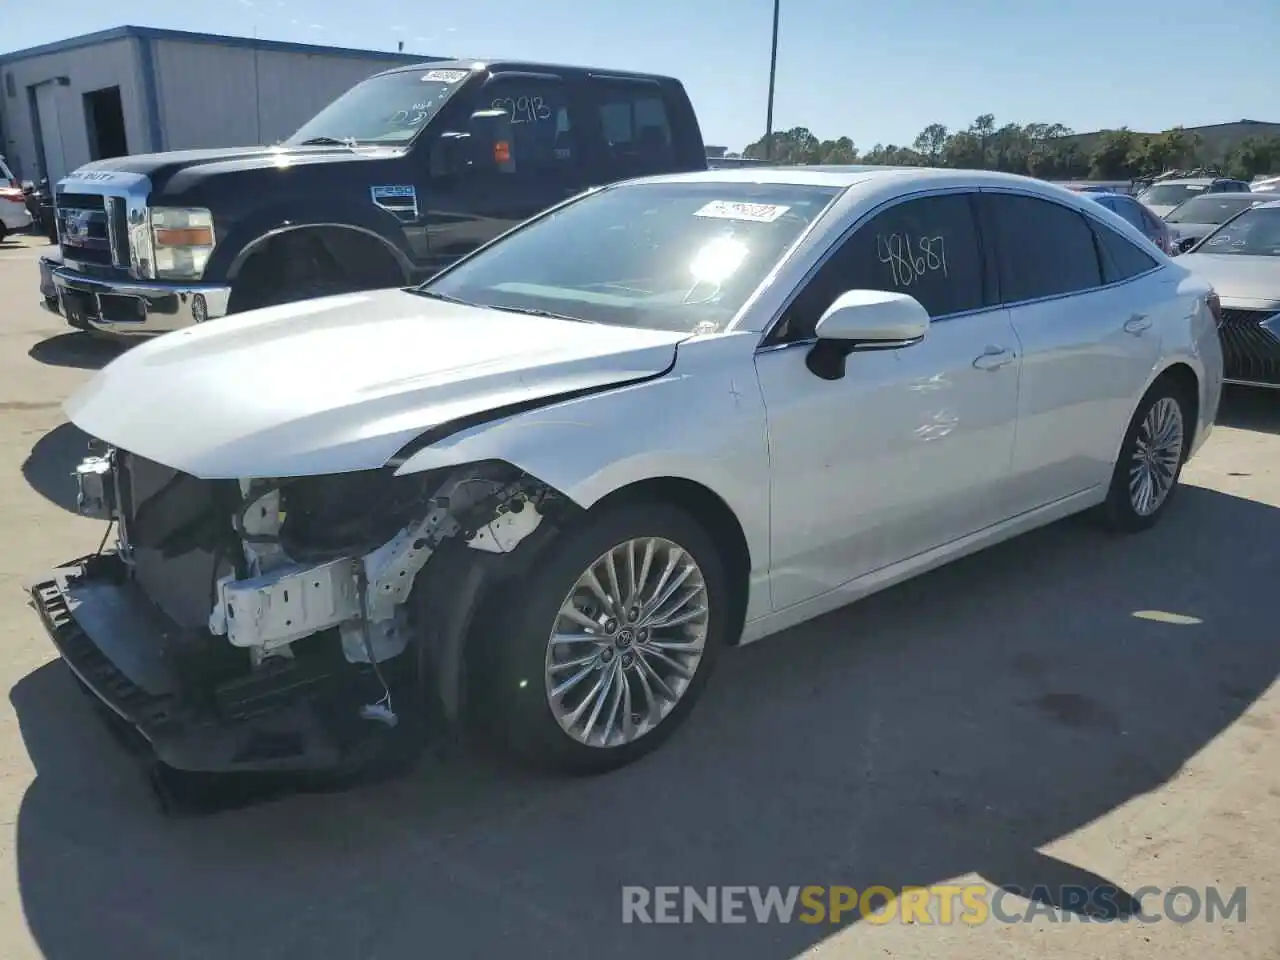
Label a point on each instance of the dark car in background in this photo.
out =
(1152, 227)
(1193, 220)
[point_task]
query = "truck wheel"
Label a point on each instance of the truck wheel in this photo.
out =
(1151, 458)
(607, 646)
(307, 264)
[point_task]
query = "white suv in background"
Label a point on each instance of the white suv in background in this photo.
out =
(13, 203)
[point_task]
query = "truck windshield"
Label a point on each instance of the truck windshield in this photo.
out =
(391, 108)
(665, 255)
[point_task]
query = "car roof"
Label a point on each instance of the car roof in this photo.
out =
(524, 66)
(1192, 180)
(847, 175)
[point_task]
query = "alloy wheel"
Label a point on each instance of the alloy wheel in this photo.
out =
(627, 641)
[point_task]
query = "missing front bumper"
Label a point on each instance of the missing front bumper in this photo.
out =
(290, 716)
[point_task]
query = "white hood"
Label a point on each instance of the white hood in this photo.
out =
(342, 383)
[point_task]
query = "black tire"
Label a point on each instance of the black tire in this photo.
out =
(514, 701)
(1118, 511)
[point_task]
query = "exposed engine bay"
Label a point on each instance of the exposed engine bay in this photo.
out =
(275, 605)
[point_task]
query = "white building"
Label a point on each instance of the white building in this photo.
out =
(141, 90)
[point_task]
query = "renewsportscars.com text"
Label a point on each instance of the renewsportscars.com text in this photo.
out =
(970, 904)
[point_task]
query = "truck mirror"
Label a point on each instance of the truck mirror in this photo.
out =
(491, 140)
(449, 154)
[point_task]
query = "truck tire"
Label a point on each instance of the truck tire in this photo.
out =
(600, 655)
(311, 263)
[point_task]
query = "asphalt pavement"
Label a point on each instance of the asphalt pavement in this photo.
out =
(1066, 709)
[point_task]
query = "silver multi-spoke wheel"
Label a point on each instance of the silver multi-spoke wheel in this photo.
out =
(1157, 454)
(627, 642)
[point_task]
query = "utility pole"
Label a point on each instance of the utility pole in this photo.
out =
(773, 72)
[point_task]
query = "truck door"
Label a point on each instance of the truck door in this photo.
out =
(539, 166)
(632, 121)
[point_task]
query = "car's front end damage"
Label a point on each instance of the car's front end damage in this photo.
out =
(286, 624)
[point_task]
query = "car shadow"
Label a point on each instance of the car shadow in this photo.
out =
(75, 349)
(1250, 408)
(953, 724)
(49, 468)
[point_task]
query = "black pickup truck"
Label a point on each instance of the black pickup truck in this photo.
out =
(401, 175)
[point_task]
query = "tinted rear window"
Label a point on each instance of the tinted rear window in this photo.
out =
(1043, 249)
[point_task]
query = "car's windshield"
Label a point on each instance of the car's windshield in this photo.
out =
(1171, 194)
(391, 108)
(1255, 233)
(672, 256)
(1212, 208)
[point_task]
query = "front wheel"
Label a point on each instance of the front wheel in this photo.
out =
(610, 642)
(1151, 459)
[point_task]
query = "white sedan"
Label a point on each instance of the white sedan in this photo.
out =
(545, 489)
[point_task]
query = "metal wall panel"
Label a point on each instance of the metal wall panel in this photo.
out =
(217, 96)
(87, 68)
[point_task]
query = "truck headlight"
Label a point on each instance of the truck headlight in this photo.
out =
(182, 239)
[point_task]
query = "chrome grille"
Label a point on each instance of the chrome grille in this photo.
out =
(93, 228)
(1250, 351)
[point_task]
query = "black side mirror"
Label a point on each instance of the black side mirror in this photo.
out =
(490, 132)
(1185, 244)
(449, 154)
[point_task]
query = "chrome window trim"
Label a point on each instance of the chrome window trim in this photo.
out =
(826, 255)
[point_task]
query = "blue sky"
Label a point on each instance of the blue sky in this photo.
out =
(876, 72)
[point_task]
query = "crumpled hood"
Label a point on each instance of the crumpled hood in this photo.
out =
(342, 383)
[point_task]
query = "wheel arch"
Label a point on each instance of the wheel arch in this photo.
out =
(709, 509)
(1184, 377)
(367, 238)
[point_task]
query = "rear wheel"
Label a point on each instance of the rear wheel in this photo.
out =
(609, 644)
(1151, 459)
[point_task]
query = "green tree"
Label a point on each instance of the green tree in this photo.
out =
(931, 142)
(1253, 157)
(1111, 157)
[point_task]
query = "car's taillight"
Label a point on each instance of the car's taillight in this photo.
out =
(1215, 307)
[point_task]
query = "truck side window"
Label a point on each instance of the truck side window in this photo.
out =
(542, 135)
(635, 127)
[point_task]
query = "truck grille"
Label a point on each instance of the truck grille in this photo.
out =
(1250, 351)
(93, 228)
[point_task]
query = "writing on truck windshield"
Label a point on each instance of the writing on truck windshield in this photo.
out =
(388, 109)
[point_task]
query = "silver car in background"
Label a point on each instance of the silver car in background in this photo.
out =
(1160, 198)
(1193, 220)
(1241, 259)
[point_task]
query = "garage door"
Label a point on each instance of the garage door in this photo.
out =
(55, 159)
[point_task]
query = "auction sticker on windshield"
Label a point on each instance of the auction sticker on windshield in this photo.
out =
(444, 76)
(736, 210)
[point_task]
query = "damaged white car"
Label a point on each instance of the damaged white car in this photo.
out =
(547, 487)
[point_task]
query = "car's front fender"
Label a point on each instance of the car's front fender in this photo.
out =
(703, 422)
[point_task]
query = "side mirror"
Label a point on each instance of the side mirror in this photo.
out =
(1185, 244)
(484, 146)
(864, 320)
(449, 154)
(490, 132)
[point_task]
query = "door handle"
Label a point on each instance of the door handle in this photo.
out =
(1137, 323)
(993, 358)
